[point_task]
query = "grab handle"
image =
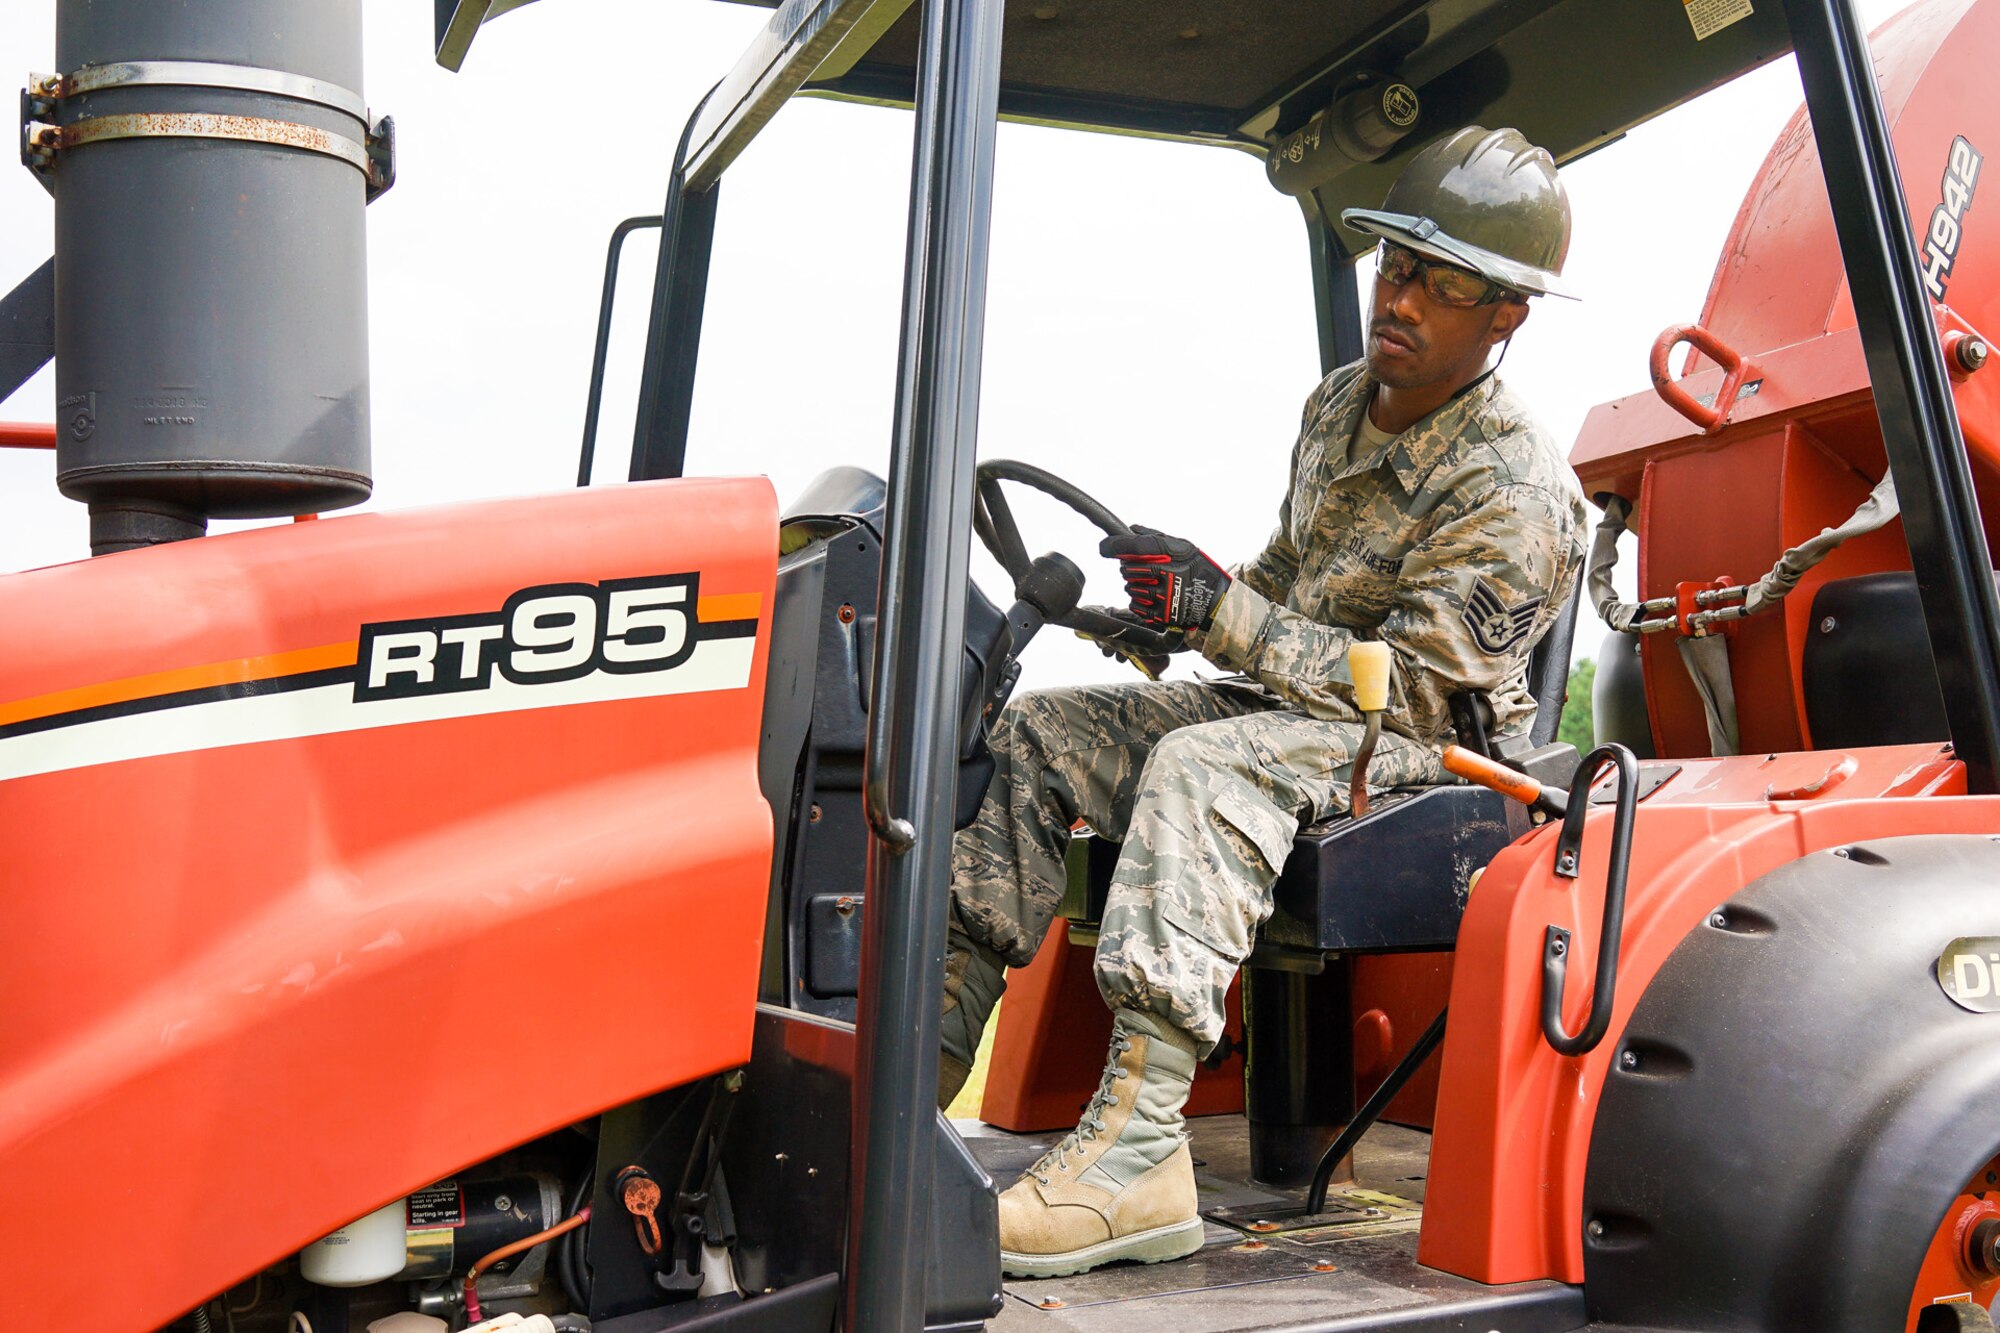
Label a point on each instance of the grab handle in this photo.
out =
(1569, 852)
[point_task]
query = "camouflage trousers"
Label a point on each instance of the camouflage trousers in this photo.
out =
(1204, 785)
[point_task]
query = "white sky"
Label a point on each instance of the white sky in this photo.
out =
(1149, 329)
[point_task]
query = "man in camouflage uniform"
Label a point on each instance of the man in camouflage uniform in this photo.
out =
(1427, 510)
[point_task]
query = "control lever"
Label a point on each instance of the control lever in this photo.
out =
(1509, 782)
(702, 1215)
(1048, 590)
(1472, 719)
(1368, 663)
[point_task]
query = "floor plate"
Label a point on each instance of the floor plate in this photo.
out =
(1347, 1208)
(1357, 1272)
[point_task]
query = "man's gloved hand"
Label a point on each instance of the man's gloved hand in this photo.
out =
(1142, 652)
(1170, 582)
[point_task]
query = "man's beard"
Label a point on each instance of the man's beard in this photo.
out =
(1399, 372)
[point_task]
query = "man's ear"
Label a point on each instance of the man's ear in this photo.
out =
(1508, 317)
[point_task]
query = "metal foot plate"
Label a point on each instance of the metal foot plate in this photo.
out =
(1267, 1219)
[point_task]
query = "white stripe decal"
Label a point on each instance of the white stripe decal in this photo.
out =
(717, 664)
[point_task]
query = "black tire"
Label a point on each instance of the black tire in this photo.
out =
(1796, 1101)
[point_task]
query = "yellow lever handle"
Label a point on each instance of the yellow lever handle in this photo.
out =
(1369, 663)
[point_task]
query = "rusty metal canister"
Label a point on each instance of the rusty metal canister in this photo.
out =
(209, 167)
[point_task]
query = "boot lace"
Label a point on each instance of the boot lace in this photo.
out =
(1092, 1124)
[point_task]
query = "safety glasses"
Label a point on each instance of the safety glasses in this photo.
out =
(1443, 283)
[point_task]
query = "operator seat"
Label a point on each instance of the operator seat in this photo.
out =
(1414, 849)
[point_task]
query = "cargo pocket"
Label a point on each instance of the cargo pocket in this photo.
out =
(1255, 833)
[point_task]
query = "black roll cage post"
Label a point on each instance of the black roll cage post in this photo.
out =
(912, 760)
(911, 757)
(1337, 311)
(911, 766)
(673, 333)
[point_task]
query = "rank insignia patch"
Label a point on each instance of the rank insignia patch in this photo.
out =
(1495, 626)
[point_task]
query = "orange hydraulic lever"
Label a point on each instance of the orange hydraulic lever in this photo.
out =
(1509, 782)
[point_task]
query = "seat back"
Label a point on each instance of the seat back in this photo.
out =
(1548, 670)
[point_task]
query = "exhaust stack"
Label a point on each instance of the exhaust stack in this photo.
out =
(209, 162)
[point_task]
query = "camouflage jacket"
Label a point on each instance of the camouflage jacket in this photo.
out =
(1457, 543)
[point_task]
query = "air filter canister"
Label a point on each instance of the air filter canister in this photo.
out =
(210, 162)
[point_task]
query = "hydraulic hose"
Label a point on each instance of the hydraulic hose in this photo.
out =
(569, 1250)
(561, 1228)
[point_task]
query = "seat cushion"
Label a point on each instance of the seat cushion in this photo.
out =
(1393, 881)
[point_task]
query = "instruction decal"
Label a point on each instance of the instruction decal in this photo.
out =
(1712, 16)
(442, 1205)
(1947, 229)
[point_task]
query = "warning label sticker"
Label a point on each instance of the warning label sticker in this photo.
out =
(442, 1205)
(1712, 16)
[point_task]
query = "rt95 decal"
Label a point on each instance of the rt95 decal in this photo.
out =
(559, 631)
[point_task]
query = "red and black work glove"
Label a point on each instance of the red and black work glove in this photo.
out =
(1170, 583)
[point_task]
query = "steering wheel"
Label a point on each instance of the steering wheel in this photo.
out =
(993, 520)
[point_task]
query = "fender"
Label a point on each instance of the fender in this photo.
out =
(344, 854)
(1796, 1099)
(1504, 1201)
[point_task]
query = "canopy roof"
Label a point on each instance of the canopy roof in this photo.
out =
(1570, 74)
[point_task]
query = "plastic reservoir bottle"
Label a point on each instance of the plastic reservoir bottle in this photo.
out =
(369, 1249)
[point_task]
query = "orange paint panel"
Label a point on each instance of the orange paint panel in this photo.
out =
(281, 982)
(1705, 515)
(1504, 1201)
(1404, 992)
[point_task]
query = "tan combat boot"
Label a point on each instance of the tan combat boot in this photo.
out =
(974, 976)
(1121, 1185)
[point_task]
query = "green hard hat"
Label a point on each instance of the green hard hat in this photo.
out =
(1485, 200)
